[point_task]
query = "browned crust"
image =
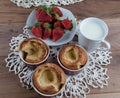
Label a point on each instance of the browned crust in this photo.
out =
(41, 45)
(49, 89)
(73, 65)
(83, 57)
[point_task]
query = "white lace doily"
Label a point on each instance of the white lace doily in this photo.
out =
(77, 86)
(29, 3)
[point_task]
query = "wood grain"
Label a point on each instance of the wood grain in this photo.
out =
(12, 20)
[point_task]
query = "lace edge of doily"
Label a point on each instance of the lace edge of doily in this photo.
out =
(29, 4)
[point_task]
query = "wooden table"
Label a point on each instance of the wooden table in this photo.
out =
(12, 20)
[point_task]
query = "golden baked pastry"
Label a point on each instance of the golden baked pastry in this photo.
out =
(49, 78)
(34, 50)
(72, 57)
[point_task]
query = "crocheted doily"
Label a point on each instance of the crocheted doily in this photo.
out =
(29, 3)
(77, 86)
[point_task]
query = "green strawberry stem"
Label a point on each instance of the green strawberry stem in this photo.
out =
(57, 16)
(35, 25)
(41, 6)
(47, 25)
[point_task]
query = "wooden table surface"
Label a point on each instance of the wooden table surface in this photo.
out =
(12, 20)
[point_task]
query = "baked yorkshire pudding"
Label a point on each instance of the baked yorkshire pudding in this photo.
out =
(49, 78)
(33, 50)
(73, 57)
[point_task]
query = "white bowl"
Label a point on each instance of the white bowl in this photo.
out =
(43, 94)
(37, 63)
(71, 71)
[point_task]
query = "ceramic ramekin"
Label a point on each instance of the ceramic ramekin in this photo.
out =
(35, 63)
(71, 71)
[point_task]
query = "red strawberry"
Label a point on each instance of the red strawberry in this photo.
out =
(57, 24)
(67, 24)
(57, 33)
(37, 31)
(42, 16)
(38, 13)
(47, 33)
(57, 10)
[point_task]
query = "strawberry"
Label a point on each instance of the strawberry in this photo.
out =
(47, 33)
(37, 31)
(47, 30)
(51, 26)
(38, 13)
(57, 24)
(42, 16)
(56, 10)
(57, 33)
(67, 24)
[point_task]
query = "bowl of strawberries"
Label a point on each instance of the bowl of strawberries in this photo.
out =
(54, 25)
